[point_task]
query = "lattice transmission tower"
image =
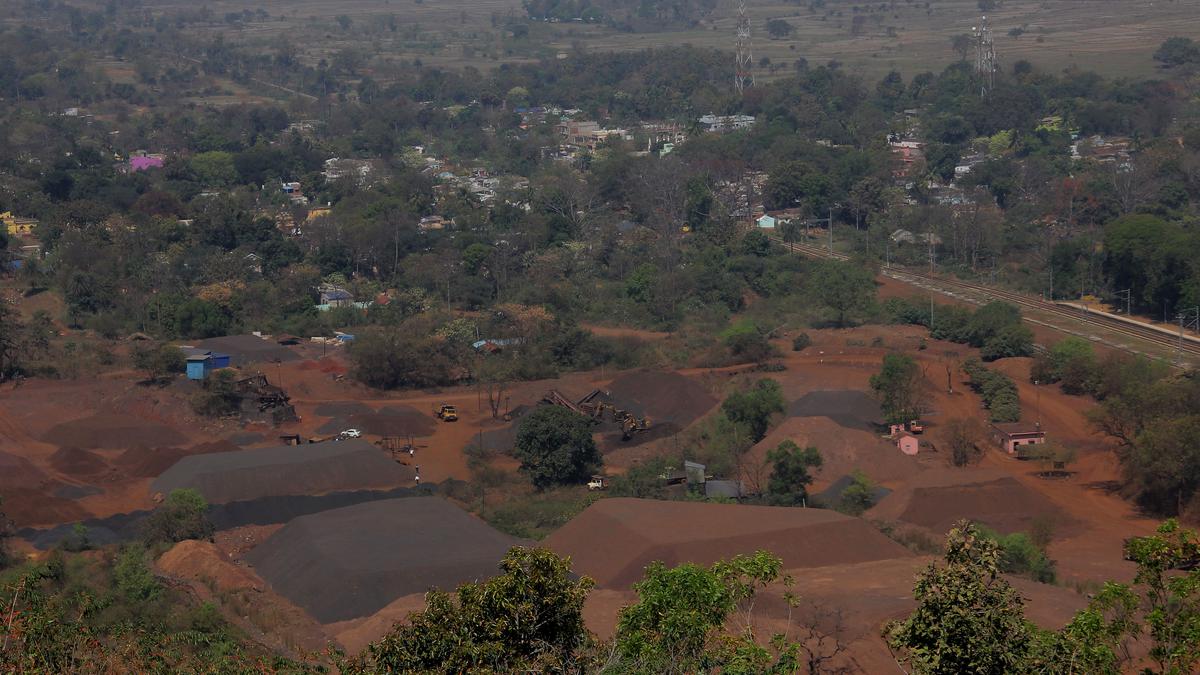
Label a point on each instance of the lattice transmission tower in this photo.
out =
(743, 76)
(986, 64)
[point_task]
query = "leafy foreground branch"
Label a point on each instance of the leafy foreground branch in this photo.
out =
(530, 619)
(969, 619)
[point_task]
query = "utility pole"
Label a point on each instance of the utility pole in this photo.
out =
(830, 222)
(1038, 389)
(1128, 292)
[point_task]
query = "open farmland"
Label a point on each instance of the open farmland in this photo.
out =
(1113, 37)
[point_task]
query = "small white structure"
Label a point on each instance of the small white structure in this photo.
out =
(766, 222)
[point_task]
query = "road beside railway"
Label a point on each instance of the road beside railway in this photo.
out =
(1116, 332)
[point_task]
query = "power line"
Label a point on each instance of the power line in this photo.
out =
(743, 59)
(986, 63)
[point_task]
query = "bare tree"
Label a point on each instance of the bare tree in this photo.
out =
(822, 631)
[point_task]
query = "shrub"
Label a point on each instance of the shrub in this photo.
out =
(182, 515)
(801, 342)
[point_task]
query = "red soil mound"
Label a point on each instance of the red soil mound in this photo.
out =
(111, 431)
(614, 540)
(1004, 505)
(18, 472)
(28, 507)
(77, 462)
(143, 462)
(202, 561)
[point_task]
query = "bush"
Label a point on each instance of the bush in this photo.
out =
(801, 342)
(182, 515)
(218, 396)
(160, 361)
(1019, 555)
(859, 495)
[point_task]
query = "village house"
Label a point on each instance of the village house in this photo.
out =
(1013, 435)
(142, 161)
(335, 296)
(587, 134)
(433, 223)
(908, 444)
(721, 123)
(16, 226)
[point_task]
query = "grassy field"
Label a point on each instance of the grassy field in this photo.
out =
(1113, 37)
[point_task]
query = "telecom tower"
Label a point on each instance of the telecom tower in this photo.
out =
(743, 59)
(985, 57)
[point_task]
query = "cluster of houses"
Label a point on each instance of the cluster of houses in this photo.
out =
(722, 123)
(1014, 438)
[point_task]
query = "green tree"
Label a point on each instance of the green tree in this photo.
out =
(1070, 361)
(1171, 598)
(900, 388)
(859, 495)
(677, 624)
(845, 287)
(1177, 51)
(182, 515)
(395, 357)
(752, 408)
(529, 618)
(790, 477)
(10, 333)
(778, 28)
(159, 362)
(215, 168)
(555, 447)
(968, 619)
(1009, 341)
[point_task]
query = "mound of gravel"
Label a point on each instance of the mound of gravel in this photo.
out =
(667, 398)
(850, 408)
(77, 462)
(614, 540)
(310, 469)
(352, 562)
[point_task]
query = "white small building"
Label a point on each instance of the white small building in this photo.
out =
(766, 222)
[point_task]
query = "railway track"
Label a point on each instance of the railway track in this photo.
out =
(978, 294)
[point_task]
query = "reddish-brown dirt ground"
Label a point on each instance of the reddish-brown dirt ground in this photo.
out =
(1093, 520)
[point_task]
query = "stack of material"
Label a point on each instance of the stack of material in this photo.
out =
(614, 540)
(311, 469)
(351, 562)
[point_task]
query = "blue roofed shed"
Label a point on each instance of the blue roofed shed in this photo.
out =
(199, 366)
(219, 360)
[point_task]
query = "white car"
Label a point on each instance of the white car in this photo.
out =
(351, 433)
